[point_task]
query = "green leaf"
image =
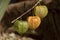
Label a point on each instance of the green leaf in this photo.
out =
(3, 7)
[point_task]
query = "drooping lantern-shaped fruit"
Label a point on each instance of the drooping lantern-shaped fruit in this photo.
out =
(34, 22)
(21, 26)
(41, 11)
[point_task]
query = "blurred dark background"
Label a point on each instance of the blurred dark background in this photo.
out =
(50, 26)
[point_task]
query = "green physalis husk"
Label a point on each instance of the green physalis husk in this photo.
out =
(41, 11)
(21, 26)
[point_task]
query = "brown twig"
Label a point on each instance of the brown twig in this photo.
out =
(26, 11)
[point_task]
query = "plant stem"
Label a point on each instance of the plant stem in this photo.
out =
(26, 12)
